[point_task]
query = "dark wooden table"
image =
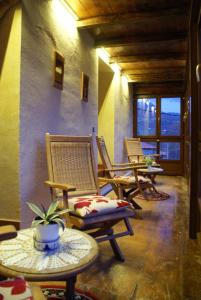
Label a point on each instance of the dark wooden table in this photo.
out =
(77, 252)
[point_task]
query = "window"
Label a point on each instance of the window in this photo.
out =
(146, 116)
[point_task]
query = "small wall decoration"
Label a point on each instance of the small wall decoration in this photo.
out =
(58, 70)
(84, 86)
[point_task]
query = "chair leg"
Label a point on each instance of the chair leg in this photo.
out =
(115, 247)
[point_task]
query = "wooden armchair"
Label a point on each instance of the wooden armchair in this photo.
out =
(124, 185)
(135, 153)
(73, 180)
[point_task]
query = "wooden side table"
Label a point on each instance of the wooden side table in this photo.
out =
(150, 172)
(76, 253)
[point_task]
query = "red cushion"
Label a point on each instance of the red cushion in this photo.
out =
(88, 206)
(15, 289)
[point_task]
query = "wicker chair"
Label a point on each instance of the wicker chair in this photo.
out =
(134, 151)
(136, 155)
(124, 185)
(72, 170)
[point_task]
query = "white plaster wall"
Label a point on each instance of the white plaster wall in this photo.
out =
(123, 118)
(46, 26)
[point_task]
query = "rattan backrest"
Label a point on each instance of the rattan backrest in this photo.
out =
(134, 148)
(104, 155)
(71, 161)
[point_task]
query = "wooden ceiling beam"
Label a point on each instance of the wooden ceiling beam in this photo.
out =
(129, 17)
(148, 57)
(142, 39)
(150, 78)
(168, 70)
(6, 5)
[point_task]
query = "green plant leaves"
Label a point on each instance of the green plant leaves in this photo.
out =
(48, 216)
(62, 212)
(36, 210)
(53, 206)
(35, 223)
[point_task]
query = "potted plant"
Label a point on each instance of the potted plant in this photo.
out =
(47, 224)
(148, 161)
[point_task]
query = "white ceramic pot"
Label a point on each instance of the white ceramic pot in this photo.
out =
(47, 233)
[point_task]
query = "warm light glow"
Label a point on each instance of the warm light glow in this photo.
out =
(124, 79)
(69, 9)
(103, 54)
(63, 18)
(116, 68)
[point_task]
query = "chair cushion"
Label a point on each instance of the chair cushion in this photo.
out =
(131, 179)
(89, 206)
(15, 289)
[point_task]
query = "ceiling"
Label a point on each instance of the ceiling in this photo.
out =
(147, 38)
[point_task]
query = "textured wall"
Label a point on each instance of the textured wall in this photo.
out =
(47, 26)
(123, 118)
(10, 36)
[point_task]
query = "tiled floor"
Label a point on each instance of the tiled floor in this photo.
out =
(161, 262)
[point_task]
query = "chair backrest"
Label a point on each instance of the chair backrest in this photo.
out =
(134, 149)
(104, 156)
(71, 160)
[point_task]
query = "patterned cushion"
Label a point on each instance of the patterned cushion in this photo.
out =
(131, 179)
(15, 289)
(88, 206)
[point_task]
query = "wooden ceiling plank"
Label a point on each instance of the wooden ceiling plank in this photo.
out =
(129, 17)
(148, 57)
(154, 71)
(142, 39)
(6, 5)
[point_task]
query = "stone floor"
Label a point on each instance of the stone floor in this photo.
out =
(161, 262)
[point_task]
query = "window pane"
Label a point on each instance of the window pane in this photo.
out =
(170, 150)
(146, 116)
(149, 148)
(170, 116)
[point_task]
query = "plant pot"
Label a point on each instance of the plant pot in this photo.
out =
(46, 237)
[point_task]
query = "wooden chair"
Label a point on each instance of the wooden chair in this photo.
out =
(72, 170)
(124, 185)
(9, 232)
(135, 153)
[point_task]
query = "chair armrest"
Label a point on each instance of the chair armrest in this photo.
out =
(62, 186)
(113, 180)
(120, 169)
(106, 180)
(123, 165)
(7, 232)
(138, 155)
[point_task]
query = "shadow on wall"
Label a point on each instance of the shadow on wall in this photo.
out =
(5, 30)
